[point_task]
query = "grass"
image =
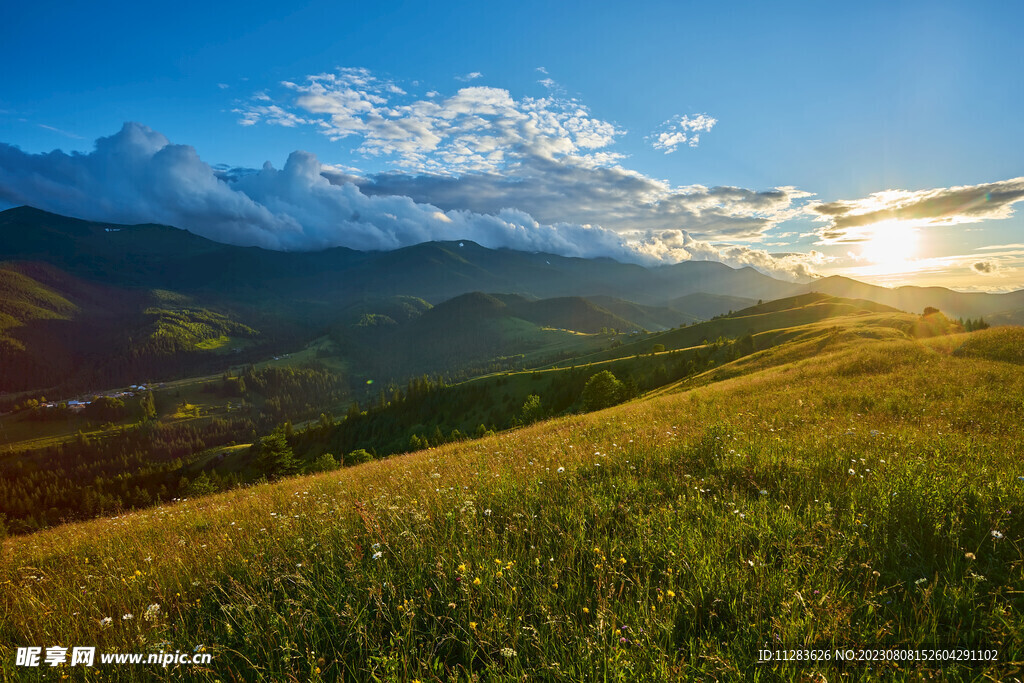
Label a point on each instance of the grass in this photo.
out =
(840, 489)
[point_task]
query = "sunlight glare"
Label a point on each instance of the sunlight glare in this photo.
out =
(891, 244)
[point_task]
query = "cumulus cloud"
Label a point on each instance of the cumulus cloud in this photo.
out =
(679, 245)
(854, 220)
(681, 130)
(565, 190)
(472, 76)
(138, 175)
(477, 129)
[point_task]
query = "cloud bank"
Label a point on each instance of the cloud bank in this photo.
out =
(564, 190)
(138, 175)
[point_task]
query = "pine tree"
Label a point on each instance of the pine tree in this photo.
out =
(275, 457)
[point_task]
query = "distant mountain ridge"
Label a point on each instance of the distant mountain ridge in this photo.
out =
(155, 256)
(1006, 308)
(84, 302)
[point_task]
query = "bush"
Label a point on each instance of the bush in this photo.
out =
(358, 457)
(325, 463)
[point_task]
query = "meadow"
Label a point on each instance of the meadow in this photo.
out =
(854, 486)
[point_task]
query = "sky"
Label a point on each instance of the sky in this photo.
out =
(874, 140)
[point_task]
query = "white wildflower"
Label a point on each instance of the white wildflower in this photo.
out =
(152, 612)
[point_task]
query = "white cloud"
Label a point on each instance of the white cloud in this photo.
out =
(854, 220)
(476, 129)
(679, 245)
(472, 76)
(680, 130)
(138, 176)
(566, 190)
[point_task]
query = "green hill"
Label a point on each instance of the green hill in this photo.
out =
(781, 314)
(59, 329)
(843, 488)
(704, 306)
(571, 313)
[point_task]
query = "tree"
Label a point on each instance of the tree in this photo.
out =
(531, 410)
(275, 456)
(148, 406)
(929, 310)
(601, 391)
(105, 408)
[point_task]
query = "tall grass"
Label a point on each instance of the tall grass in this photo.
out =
(869, 493)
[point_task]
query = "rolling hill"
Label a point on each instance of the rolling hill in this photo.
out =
(840, 488)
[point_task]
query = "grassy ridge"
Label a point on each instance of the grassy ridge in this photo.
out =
(840, 489)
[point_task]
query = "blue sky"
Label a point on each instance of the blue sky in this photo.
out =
(832, 104)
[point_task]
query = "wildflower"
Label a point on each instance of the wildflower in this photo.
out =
(561, 469)
(152, 612)
(377, 555)
(670, 594)
(997, 534)
(472, 625)
(487, 512)
(477, 581)
(622, 560)
(850, 472)
(920, 581)
(105, 622)
(586, 610)
(970, 556)
(462, 567)
(127, 617)
(508, 653)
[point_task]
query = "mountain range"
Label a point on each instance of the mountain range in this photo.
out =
(86, 302)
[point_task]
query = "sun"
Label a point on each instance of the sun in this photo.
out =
(890, 244)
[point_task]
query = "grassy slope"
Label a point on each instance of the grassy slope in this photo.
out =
(686, 531)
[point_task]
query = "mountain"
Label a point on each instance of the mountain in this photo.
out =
(705, 306)
(154, 256)
(88, 302)
(1008, 307)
